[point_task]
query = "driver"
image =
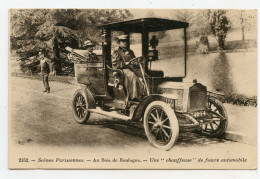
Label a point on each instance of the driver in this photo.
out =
(120, 56)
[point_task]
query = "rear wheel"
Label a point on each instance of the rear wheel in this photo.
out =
(79, 107)
(161, 125)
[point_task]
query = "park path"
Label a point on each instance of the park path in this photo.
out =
(242, 125)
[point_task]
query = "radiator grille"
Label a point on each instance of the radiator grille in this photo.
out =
(197, 100)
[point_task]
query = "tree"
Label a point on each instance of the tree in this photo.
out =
(220, 25)
(243, 20)
(54, 29)
(200, 26)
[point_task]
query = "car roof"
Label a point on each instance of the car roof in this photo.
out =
(147, 24)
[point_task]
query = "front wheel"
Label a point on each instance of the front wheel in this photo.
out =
(217, 124)
(79, 107)
(161, 125)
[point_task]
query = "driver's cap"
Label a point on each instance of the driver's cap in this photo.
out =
(122, 37)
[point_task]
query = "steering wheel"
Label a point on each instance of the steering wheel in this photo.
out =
(133, 59)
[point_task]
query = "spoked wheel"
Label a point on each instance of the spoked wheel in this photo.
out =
(80, 106)
(161, 125)
(217, 124)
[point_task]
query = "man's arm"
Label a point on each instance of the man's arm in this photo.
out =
(78, 56)
(132, 54)
(94, 57)
(48, 61)
(117, 61)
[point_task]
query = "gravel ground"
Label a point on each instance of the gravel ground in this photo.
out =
(42, 124)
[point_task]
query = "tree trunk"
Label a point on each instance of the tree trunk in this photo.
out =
(221, 42)
(242, 26)
(56, 47)
(56, 51)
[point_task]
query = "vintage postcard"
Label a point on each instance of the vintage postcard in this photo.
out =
(132, 89)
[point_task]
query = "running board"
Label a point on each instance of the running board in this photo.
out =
(117, 104)
(112, 114)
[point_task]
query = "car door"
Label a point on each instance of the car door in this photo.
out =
(92, 74)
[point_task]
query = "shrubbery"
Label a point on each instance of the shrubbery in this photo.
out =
(53, 30)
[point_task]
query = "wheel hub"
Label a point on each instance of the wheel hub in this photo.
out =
(158, 125)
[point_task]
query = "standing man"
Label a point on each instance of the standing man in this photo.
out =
(45, 70)
(120, 56)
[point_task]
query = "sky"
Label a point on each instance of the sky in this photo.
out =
(233, 14)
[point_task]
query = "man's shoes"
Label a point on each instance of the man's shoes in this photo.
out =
(48, 91)
(45, 91)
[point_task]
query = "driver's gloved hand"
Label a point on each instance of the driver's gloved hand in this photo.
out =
(135, 64)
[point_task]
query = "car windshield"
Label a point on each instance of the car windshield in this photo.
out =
(171, 50)
(171, 53)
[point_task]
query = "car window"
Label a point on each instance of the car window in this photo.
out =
(136, 43)
(114, 44)
(171, 52)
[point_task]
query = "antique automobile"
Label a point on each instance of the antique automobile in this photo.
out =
(170, 105)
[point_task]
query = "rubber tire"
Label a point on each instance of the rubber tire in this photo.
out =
(173, 124)
(76, 117)
(223, 112)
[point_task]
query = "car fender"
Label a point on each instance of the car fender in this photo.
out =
(89, 96)
(140, 109)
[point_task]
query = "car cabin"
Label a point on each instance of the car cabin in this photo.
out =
(162, 42)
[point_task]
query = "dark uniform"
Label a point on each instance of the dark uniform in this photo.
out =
(132, 83)
(45, 70)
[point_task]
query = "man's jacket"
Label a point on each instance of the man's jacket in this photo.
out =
(120, 56)
(45, 67)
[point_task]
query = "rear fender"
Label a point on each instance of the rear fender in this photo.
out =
(89, 96)
(140, 109)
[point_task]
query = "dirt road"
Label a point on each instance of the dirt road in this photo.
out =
(43, 125)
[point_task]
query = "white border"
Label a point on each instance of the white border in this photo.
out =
(6, 4)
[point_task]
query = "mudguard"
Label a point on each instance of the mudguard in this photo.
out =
(140, 109)
(89, 96)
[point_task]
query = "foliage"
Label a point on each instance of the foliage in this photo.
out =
(30, 65)
(54, 29)
(185, 15)
(220, 25)
(195, 19)
(200, 26)
(244, 20)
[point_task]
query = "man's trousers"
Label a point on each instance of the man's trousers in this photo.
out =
(45, 79)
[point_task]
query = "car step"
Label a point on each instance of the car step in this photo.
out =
(117, 104)
(112, 114)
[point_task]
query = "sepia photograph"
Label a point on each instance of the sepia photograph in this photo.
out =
(132, 88)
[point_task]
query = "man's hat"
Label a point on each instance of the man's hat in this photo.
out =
(88, 43)
(122, 37)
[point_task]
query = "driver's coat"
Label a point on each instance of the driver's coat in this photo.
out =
(133, 85)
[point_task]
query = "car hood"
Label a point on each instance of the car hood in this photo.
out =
(175, 85)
